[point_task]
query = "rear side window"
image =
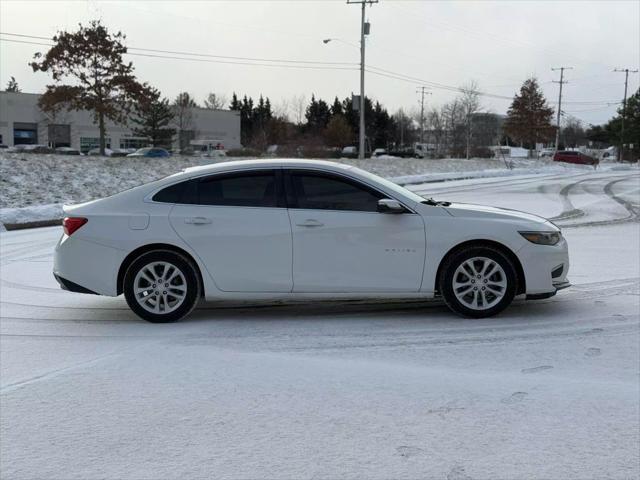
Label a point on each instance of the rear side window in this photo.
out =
(172, 194)
(326, 192)
(257, 189)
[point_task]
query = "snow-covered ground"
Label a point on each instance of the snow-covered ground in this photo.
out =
(549, 389)
(34, 187)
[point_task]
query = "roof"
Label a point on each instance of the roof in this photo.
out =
(275, 163)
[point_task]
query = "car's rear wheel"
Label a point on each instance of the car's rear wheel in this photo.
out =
(478, 282)
(161, 286)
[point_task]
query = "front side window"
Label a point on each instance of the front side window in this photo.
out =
(256, 189)
(327, 192)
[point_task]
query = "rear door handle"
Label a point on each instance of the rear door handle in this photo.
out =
(310, 223)
(197, 220)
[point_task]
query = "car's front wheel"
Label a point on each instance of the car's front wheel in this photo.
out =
(161, 286)
(478, 282)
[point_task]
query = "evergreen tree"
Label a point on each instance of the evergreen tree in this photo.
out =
(317, 115)
(336, 108)
(529, 117)
(12, 86)
(153, 117)
(382, 127)
(338, 132)
(353, 116)
(100, 81)
(235, 103)
(631, 127)
(246, 120)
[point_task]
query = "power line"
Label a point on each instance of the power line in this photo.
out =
(204, 60)
(295, 64)
(208, 55)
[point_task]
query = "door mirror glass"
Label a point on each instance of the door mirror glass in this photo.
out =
(388, 205)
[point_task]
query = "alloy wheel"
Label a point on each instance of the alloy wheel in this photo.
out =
(479, 283)
(160, 287)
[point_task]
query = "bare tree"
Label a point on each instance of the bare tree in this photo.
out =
(183, 107)
(215, 101)
(470, 103)
(281, 110)
(404, 128)
(12, 86)
(573, 133)
(453, 119)
(436, 123)
(299, 107)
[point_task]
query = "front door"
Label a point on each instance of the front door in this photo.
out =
(238, 226)
(342, 244)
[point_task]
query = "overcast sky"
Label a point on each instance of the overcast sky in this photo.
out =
(497, 44)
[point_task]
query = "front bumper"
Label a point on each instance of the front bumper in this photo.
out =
(556, 285)
(545, 268)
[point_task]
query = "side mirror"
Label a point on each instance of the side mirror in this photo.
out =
(388, 205)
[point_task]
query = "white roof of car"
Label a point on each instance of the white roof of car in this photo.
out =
(275, 163)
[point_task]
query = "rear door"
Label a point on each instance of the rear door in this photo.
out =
(238, 225)
(341, 243)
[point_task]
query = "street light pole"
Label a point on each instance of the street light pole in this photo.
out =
(364, 30)
(362, 127)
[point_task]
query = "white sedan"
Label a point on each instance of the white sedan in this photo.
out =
(296, 229)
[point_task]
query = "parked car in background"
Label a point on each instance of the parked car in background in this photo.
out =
(301, 229)
(352, 152)
(546, 152)
(2, 145)
(96, 151)
(68, 151)
(572, 156)
(151, 152)
(31, 148)
(378, 152)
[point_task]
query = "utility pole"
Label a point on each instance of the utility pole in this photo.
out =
(624, 110)
(364, 30)
(561, 82)
(422, 91)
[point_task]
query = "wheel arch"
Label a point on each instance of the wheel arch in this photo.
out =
(522, 287)
(130, 258)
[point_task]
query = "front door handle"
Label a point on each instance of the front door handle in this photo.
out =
(310, 223)
(197, 220)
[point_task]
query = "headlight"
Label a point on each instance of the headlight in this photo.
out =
(542, 238)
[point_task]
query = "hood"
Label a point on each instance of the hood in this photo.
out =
(469, 210)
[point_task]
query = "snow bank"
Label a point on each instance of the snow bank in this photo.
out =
(34, 213)
(34, 186)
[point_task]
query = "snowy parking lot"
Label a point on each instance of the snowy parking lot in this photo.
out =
(548, 389)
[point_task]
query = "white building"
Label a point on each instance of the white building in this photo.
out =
(22, 122)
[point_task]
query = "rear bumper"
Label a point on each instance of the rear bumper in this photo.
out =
(86, 267)
(72, 287)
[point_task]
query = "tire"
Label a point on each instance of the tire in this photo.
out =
(168, 301)
(478, 281)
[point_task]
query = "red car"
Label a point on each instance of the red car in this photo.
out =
(570, 156)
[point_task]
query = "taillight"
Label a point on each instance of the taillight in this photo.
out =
(71, 224)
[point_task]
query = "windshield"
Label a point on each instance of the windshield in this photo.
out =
(390, 185)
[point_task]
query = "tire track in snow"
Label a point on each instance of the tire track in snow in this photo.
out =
(571, 212)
